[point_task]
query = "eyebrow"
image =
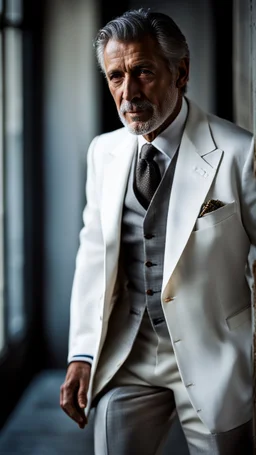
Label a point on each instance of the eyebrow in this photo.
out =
(135, 67)
(143, 65)
(113, 71)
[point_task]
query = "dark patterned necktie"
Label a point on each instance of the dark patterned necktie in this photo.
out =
(147, 175)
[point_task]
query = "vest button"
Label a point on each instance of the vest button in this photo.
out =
(149, 292)
(148, 264)
(148, 236)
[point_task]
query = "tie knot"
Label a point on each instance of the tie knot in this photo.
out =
(148, 151)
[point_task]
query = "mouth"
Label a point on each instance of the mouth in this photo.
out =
(137, 112)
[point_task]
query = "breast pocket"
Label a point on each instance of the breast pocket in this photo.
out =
(239, 317)
(215, 217)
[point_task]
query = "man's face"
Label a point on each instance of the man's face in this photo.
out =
(143, 87)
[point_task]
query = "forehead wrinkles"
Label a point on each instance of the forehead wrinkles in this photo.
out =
(128, 54)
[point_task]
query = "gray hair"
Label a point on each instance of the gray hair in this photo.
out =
(133, 25)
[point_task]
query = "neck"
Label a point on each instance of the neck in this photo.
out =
(153, 134)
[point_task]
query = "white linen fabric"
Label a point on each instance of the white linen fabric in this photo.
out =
(207, 288)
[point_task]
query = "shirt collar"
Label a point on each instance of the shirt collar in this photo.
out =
(168, 141)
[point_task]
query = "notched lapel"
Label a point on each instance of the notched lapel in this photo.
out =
(193, 177)
(114, 186)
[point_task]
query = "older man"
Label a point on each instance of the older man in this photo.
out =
(161, 300)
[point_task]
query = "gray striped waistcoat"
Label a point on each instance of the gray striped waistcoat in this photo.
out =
(141, 262)
(142, 248)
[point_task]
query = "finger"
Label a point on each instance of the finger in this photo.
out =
(61, 396)
(82, 395)
(68, 392)
(74, 415)
(81, 412)
(69, 403)
(83, 423)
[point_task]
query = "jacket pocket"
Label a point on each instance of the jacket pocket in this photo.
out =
(215, 217)
(239, 318)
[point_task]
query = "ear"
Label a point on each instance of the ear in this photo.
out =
(183, 73)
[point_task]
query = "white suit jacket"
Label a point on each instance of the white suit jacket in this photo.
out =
(206, 290)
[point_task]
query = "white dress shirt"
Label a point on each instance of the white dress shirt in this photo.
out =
(168, 141)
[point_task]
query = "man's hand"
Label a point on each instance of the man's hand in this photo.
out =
(73, 392)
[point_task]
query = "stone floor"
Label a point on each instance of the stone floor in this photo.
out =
(38, 426)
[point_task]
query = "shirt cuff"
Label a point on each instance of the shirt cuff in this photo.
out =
(81, 358)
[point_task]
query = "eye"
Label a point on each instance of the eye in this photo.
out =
(143, 72)
(116, 76)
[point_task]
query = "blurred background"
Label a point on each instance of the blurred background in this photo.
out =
(53, 101)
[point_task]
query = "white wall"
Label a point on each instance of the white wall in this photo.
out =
(70, 122)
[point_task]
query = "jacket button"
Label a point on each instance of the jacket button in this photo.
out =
(149, 292)
(148, 264)
(168, 299)
(148, 236)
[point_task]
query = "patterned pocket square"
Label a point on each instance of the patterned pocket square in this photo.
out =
(210, 206)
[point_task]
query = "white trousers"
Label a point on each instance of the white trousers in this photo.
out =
(136, 410)
(152, 363)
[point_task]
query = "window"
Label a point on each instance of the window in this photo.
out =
(2, 334)
(13, 12)
(12, 317)
(13, 176)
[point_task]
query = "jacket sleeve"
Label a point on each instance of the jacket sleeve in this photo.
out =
(88, 277)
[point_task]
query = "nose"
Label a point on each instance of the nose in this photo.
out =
(131, 88)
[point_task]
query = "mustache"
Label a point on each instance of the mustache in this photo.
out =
(128, 106)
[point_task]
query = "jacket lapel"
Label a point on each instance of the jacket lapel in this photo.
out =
(114, 187)
(196, 167)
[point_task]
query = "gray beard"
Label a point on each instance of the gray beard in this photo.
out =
(140, 128)
(157, 118)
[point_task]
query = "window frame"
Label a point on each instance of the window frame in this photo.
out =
(9, 340)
